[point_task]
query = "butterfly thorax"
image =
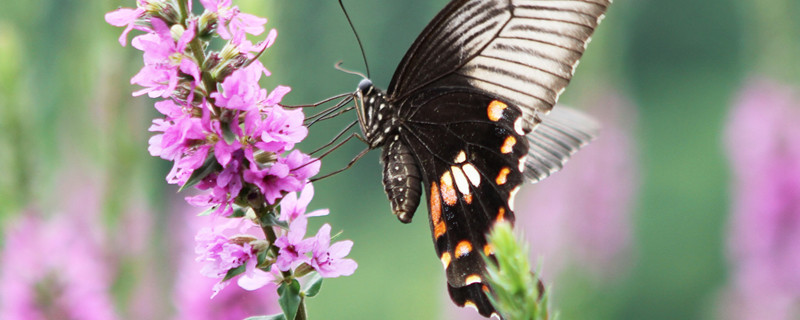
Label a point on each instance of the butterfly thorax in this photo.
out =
(376, 115)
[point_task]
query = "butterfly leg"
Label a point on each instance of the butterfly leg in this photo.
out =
(352, 162)
(339, 135)
(321, 102)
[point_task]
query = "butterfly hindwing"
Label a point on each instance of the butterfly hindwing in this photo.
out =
(469, 154)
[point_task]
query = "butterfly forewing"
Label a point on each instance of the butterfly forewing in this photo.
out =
(523, 51)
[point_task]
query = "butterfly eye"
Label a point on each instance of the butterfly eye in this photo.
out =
(365, 86)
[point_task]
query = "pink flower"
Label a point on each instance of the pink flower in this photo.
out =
(293, 247)
(127, 17)
(240, 90)
(288, 174)
(232, 23)
(191, 289)
(282, 129)
(293, 208)
(163, 58)
(328, 259)
(179, 134)
(763, 144)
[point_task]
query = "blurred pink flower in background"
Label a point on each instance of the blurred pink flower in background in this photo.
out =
(580, 216)
(53, 269)
(763, 144)
(192, 291)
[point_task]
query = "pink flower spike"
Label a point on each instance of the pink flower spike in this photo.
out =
(328, 259)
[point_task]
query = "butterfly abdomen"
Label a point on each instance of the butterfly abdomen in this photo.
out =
(401, 178)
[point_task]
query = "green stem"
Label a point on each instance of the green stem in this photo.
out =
(271, 237)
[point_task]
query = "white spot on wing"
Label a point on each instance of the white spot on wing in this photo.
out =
(518, 126)
(472, 174)
(461, 157)
(511, 197)
(461, 180)
(522, 163)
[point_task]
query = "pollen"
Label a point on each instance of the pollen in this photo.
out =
(502, 177)
(508, 145)
(448, 190)
(473, 278)
(463, 248)
(495, 110)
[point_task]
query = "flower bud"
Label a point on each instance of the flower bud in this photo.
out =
(164, 10)
(207, 25)
(176, 31)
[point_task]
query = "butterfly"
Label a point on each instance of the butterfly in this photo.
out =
(466, 120)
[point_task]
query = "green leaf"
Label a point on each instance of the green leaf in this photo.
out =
(227, 133)
(207, 211)
(238, 212)
(234, 272)
(261, 257)
(269, 220)
(278, 316)
(289, 298)
(314, 285)
(209, 166)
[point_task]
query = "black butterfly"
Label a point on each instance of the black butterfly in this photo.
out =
(466, 116)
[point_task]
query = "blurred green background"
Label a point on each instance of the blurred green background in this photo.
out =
(65, 106)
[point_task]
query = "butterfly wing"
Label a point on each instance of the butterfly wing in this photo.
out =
(470, 90)
(521, 51)
(469, 155)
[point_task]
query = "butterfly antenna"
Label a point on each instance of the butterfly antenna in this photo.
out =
(360, 46)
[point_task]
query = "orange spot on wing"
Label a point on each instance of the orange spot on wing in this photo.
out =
(463, 248)
(488, 250)
(501, 214)
(502, 176)
(448, 190)
(436, 204)
(468, 198)
(508, 145)
(495, 110)
(446, 259)
(439, 228)
(473, 278)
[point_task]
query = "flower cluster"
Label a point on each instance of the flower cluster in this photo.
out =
(763, 147)
(231, 139)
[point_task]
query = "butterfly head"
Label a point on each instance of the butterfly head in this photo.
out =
(375, 114)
